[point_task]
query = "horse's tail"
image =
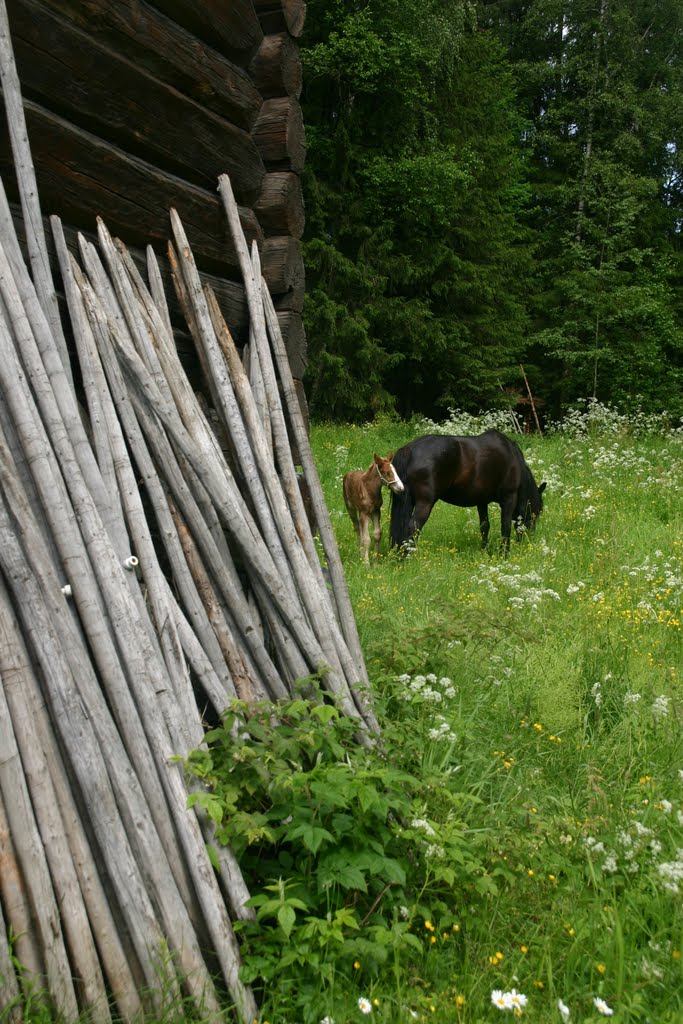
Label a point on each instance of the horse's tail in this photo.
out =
(402, 504)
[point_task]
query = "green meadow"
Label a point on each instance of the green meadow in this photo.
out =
(512, 846)
(531, 717)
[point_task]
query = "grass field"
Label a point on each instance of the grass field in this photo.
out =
(553, 748)
(514, 845)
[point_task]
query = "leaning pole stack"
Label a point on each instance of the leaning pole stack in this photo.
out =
(157, 562)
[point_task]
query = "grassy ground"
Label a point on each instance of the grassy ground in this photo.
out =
(563, 730)
(516, 844)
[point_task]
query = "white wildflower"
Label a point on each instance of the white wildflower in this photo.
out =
(660, 708)
(501, 999)
(420, 823)
(364, 1005)
(564, 1010)
(610, 866)
(517, 1000)
(602, 1007)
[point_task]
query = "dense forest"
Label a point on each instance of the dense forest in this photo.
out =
(491, 186)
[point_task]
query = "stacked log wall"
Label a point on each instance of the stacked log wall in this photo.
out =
(134, 107)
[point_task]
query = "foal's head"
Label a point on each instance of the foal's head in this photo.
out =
(388, 474)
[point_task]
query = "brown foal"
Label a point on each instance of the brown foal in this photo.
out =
(363, 499)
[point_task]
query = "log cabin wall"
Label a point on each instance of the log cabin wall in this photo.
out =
(134, 107)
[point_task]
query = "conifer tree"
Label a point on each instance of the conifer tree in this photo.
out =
(415, 255)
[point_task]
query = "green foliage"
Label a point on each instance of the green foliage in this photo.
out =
(414, 249)
(557, 731)
(333, 844)
(481, 197)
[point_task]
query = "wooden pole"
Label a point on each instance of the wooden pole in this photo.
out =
(531, 399)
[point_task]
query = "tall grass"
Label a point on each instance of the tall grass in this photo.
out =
(563, 730)
(515, 845)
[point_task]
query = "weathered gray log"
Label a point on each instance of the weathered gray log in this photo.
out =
(165, 459)
(175, 917)
(40, 624)
(18, 675)
(247, 688)
(79, 175)
(135, 514)
(322, 517)
(230, 294)
(232, 511)
(14, 899)
(213, 909)
(279, 134)
(10, 998)
(26, 180)
(281, 15)
(169, 52)
(110, 95)
(43, 853)
(280, 205)
(276, 68)
(232, 28)
(134, 652)
(256, 458)
(171, 543)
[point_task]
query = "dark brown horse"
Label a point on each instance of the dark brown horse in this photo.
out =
(464, 471)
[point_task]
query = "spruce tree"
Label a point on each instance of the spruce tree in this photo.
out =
(416, 258)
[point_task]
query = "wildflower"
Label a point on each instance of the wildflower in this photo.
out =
(530, 872)
(602, 1007)
(564, 1010)
(676, 954)
(517, 1000)
(364, 1005)
(459, 1001)
(375, 1001)
(429, 926)
(524, 949)
(610, 866)
(424, 825)
(539, 985)
(356, 965)
(501, 999)
(404, 912)
(601, 968)
(327, 1020)
(660, 708)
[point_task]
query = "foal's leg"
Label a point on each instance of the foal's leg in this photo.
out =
(484, 524)
(364, 535)
(376, 522)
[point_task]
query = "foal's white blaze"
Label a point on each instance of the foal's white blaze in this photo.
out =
(396, 484)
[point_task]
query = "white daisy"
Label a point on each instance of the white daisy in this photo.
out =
(364, 1005)
(602, 1007)
(564, 1010)
(517, 1000)
(501, 999)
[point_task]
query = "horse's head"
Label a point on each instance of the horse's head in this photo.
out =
(531, 503)
(388, 474)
